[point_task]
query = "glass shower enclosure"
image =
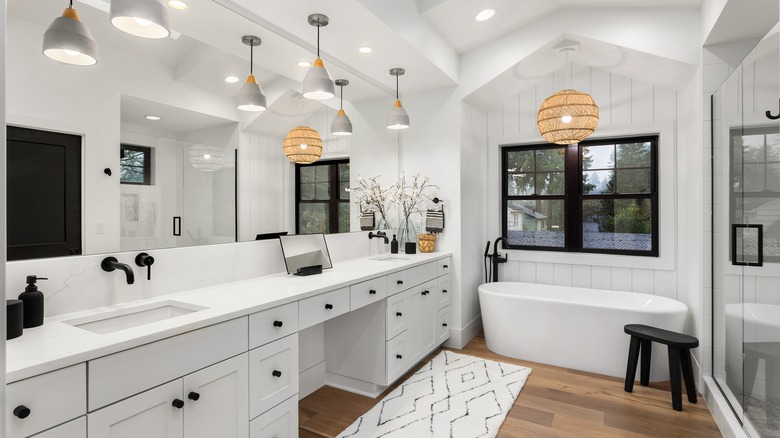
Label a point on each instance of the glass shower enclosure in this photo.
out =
(745, 128)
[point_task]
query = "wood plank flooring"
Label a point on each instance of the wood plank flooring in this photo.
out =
(555, 402)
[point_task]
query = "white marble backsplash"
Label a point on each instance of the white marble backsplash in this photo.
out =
(78, 283)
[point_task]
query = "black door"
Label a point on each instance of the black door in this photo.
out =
(44, 194)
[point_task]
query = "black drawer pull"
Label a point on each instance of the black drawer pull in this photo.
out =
(444, 325)
(425, 292)
(372, 292)
(399, 314)
(400, 282)
(194, 396)
(398, 356)
(444, 291)
(276, 373)
(329, 306)
(22, 411)
(445, 266)
(178, 404)
(278, 323)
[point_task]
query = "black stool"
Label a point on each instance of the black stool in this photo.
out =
(679, 346)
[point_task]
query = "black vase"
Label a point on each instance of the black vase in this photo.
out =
(410, 248)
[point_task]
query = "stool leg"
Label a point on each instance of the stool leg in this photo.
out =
(674, 376)
(633, 358)
(687, 371)
(647, 348)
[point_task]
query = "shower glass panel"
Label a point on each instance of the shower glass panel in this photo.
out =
(746, 239)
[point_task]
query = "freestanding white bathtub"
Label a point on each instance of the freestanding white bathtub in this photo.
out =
(574, 328)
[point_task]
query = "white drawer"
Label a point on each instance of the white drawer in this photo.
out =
(402, 280)
(322, 307)
(45, 400)
(279, 422)
(397, 350)
(397, 315)
(443, 293)
(443, 266)
(442, 325)
(272, 324)
(140, 368)
(367, 292)
(72, 429)
(273, 374)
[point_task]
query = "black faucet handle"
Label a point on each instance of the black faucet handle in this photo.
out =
(145, 260)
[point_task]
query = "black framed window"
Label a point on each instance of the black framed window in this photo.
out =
(135, 165)
(321, 197)
(598, 196)
(755, 184)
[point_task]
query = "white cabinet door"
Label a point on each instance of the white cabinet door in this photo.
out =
(72, 429)
(279, 422)
(273, 375)
(216, 400)
(150, 414)
(422, 324)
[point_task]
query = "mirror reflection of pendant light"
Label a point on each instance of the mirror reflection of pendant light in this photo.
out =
(143, 18)
(318, 84)
(341, 124)
(568, 116)
(250, 96)
(68, 40)
(303, 145)
(397, 118)
(207, 158)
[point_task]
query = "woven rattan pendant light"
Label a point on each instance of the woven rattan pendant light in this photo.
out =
(303, 145)
(568, 116)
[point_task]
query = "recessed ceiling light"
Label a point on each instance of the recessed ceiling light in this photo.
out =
(304, 64)
(484, 15)
(151, 117)
(231, 79)
(177, 4)
(365, 50)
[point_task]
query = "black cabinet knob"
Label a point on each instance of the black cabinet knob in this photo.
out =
(398, 356)
(444, 291)
(445, 266)
(194, 396)
(276, 373)
(399, 314)
(425, 292)
(277, 323)
(329, 306)
(400, 282)
(22, 411)
(444, 325)
(177, 403)
(372, 292)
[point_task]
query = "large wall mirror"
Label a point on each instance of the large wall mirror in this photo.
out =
(201, 172)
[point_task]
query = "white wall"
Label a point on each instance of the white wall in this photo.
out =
(2, 210)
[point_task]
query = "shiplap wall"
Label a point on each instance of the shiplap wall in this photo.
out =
(623, 103)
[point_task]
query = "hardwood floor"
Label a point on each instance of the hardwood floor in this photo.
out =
(555, 402)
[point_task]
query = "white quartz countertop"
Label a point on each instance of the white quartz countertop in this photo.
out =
(55, 344)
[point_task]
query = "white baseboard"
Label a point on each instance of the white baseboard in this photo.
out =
(311, 379)
(460, 337)
(727, 423)
(354, 385)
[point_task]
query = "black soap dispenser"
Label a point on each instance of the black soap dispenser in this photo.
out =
(393, 246)
(33, 302)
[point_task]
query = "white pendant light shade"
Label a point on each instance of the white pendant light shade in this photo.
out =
(251, 97)
(68, 40)
(318, 83)
(341, 124)
(397, 118)
(303, 145)
(143, 18)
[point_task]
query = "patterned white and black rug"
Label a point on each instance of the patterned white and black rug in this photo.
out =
(453, 395)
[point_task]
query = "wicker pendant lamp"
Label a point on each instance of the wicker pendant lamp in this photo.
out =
(568, 116)
(303, 145)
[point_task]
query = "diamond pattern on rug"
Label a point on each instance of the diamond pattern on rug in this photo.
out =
(453, 395)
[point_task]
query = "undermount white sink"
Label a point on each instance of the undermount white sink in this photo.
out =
(389, 258)
(129, 317)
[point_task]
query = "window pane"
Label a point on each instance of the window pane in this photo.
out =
(323, 173)
(633, 155)
(752, 148)
(307, 192)
(550, 183)
(598, 157)
(343, 193)
(764, 211)
(343, 217)
(773, 147)
(596, 182)
(773, 177)
(549, 159)
(633, 181)
(307, 174)
(344, 172)
(753, 179)
(322, 191)
(520, 161)
(520, 184)
(536, 223)
(313, 218)
(617, 224)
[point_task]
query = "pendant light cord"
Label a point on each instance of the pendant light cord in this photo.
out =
(396, 87)
(342, 96)
(71, 4)
(318, 38)
(251, 59)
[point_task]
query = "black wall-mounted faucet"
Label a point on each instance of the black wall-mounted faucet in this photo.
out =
(379, 234)
(110, 264)
(144, 260)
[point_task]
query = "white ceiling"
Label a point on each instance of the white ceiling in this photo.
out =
(173, 120)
